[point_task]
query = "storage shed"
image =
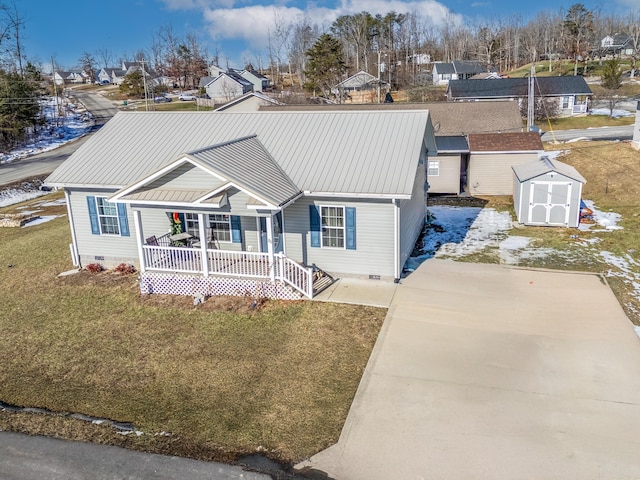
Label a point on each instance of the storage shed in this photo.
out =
(547, 192)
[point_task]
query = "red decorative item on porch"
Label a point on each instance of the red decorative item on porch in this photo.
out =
(176, 217)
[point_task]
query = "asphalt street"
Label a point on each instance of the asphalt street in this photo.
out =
(44, 163)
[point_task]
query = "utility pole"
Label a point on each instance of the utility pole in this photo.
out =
(55, 88)
(144, 83)
(530, 98)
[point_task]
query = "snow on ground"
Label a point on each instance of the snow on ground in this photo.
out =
(73, 123)
(16, 195)
(459, 231)
(616, 112)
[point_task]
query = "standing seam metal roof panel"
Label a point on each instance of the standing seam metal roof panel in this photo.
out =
(326, 144)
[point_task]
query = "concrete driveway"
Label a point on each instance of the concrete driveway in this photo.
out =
(488, 372)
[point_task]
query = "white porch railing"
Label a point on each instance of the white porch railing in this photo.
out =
(229, 263)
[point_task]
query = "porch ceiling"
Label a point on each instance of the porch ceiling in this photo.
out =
(165, 195)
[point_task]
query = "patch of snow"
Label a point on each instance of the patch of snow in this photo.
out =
(617, 113)
(637, 329)
(54, 203)
(73, 124)
(515, 243)
(43, 219)
(578, 139)
(17, 195)
(552, 154)
(607, 220)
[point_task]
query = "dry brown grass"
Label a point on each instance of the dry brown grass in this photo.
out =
(222, 378)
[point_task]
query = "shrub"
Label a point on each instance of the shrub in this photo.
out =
(125, 269)
(94, 268)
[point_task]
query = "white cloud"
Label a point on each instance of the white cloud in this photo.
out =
(253, 23)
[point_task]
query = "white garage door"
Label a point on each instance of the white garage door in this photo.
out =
(549, 203)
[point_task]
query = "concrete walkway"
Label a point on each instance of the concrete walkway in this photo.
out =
(488, 372)
(374, 293)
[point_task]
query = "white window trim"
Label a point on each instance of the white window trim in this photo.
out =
(228, 223)
(101, 216)
(429, 168)
(343, 228)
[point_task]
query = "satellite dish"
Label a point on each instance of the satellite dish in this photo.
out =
(436, 127)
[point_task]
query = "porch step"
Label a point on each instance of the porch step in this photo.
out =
(321, 280)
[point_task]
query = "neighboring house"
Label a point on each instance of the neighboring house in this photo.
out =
(259, 81)
(69, 77)
(249, 102)
(215, 71)
(273, 198)
(358, 82)
(492, 156)
(227, 86)
(570, 94)
(447, 170)
(618, 44)
(443, 72)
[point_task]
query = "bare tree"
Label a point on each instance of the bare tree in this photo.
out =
(578, 23)
(87, 63)
(105, 57)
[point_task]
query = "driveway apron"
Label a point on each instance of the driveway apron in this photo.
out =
(489, 372)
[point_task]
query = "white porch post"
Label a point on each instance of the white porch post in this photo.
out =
(202, 233)
(137, 222)
(272, 265)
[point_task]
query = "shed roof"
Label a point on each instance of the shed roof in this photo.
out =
(517, 87)
(360, 153)
(544, 165)
(452, 144)
(443, 68)
(448, 118)
(505, 142)
(361, 79)
(466, 67)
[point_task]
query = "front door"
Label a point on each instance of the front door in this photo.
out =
(277, 233)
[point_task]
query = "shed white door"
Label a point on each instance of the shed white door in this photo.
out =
(549, 203)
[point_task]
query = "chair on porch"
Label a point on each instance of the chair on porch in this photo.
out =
(152, 240)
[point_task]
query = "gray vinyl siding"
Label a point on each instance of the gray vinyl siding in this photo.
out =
(491, 174)
(412, 217)
(374, 253)
(448, 180)
(108, 250)
(187, 176)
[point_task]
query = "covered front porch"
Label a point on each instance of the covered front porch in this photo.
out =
(192, 262)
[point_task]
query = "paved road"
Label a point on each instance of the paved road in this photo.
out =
(487, 372)
(602, 133)
(23, 457)
(47, 162)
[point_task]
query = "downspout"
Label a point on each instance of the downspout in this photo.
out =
(204, 244)
(75, 256)
(396, 240)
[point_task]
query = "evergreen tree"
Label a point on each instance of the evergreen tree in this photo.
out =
(612, 74)
(133, 84)
(19, 108)
(325, 66)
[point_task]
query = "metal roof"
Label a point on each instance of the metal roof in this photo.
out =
(517, 87)
(452, 144)
(544, 165)
(240, 160)
(448, 118)
(350, 152)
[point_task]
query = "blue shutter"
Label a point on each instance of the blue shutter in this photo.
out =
(314, 222)
(93, 215)
(236, 234)
(122, 220)
(350, 225)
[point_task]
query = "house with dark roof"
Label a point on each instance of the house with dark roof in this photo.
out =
(492, 156)
(617, 44)
(259, 81)
(227, 86)
(568, 95)
(443, 72)
(258, 203)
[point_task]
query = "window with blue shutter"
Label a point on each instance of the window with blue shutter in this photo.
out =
(350, 224)
(107, 218)
(122, 220)
(93, 215)
(314, 222)
(236, 232)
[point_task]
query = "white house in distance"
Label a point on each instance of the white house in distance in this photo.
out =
(227, 86)
(257, 203)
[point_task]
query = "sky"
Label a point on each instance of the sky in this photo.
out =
(235, 30)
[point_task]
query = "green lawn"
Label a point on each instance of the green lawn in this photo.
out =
(221, 378)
